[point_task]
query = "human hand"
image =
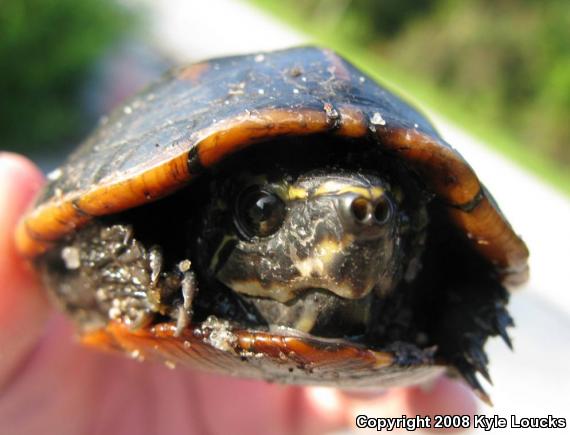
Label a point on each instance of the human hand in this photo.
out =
(51, 384)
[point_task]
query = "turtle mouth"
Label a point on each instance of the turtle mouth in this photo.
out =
(314, 310)
(316, 313)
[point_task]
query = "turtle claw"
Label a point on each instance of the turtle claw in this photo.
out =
(477, 359)
(483, 396)
(502, 321)
(506, 338)
(469, 376)
(485, 373)
(189, 288)
(480, 366)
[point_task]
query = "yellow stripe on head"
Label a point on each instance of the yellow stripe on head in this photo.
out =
(339, 188)
(295, 193)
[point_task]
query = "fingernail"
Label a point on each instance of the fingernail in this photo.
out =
(327, 410)
(8, 174)
(327, 399)
(7, 163)
(8, 160)
(17, 173)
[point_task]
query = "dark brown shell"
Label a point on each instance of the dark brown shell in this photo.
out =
(198, 115)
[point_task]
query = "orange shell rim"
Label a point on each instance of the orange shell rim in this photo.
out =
(445, 172)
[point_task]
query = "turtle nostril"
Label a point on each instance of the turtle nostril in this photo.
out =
(365, 212)
(360, 208)
(382, 211)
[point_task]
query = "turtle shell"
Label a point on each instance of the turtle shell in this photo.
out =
(198, 115)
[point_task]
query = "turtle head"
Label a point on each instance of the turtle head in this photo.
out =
(324, 234)
(332, 232)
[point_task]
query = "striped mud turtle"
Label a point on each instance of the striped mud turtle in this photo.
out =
(280, 216)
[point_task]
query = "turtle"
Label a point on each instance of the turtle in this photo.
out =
(281, 216)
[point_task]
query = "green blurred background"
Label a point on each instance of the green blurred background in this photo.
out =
(500, 68)
(47, 49)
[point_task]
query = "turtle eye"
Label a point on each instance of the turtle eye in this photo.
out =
(259, 213)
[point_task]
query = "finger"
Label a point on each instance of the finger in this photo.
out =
(444, 397)
(325, 410)
(23, 308)
(261, 408)
(389, 403)
(223, 404)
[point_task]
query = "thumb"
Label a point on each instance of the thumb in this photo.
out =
(23, 308)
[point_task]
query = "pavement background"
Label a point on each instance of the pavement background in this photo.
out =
(532, 381)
